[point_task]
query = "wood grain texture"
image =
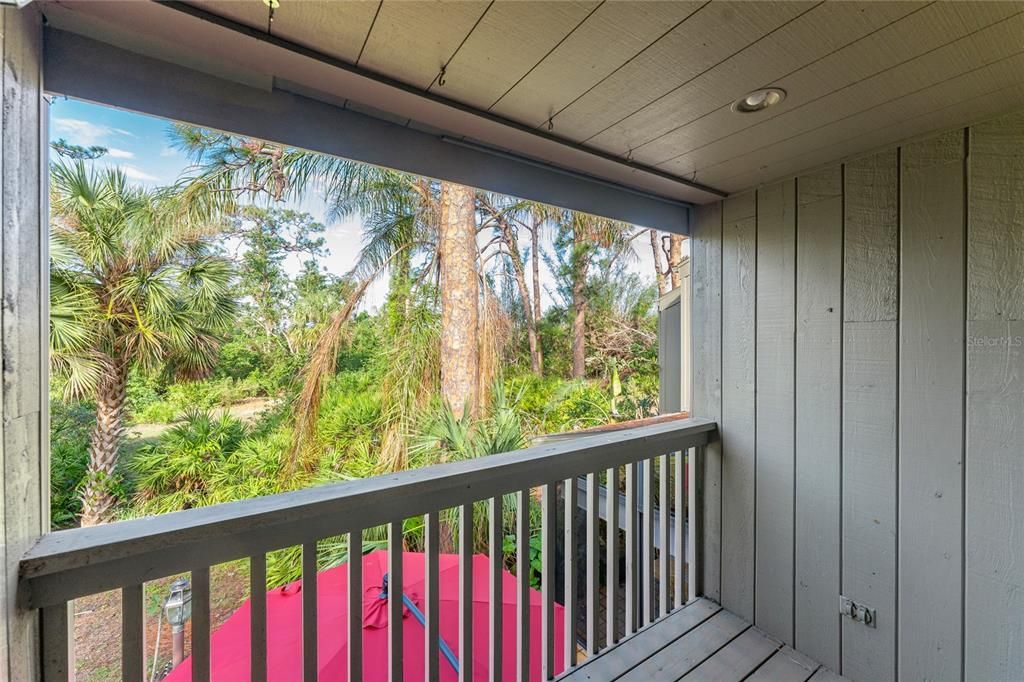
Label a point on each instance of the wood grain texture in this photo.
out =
(786, 665)
(697, 111)
(509, 41)
(690, 650)
(677, 56)
(858, 87)
(739, 284)
(340, 27)
(648, 641)
(818, 360)
(613, 34)
(871, 247)
(994, 512)
(706, 260)
(775, 411)
(430, 32)
(931, 406)
(736, 659)
(870, 350)
(25, 486)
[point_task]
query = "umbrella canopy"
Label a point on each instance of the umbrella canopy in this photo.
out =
(230, 643)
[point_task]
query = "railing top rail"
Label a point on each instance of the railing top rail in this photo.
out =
(71, 563)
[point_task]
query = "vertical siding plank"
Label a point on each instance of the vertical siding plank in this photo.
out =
(776, 296)
(818, 370)
(870, 348)
(739, 239)
(706, 261)
(931, 407)
(994, 599)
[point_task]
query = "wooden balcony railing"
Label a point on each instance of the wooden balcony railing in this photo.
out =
(652, 459)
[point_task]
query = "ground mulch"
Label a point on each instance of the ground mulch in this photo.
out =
(98, 623)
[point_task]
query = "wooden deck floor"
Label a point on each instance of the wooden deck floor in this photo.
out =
(702, 641)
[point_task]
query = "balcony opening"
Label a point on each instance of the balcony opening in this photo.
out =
(231, 318)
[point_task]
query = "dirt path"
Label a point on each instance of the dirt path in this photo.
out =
(246, 410)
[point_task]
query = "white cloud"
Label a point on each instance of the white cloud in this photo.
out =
(168, 151)
(136, 174)
(80, 132)
(120, 154)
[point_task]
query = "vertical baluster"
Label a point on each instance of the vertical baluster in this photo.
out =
(133, 634)
(201, 624)
(631, 547)
(694, 540)
(680, 529)
(523, 585)
(593, 646)
(571, 502)
(355, 606)
(258, 617)
(57, 643)
(647, 543)
(611, 594)
(548, 528)
(395, 606)
(495, 608)
(310, 665)
(433, 597)
(664, 510)
(466, 592)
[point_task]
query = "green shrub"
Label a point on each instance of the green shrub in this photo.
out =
(70, 426)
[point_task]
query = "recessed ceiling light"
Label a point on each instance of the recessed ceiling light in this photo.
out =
(759, 100)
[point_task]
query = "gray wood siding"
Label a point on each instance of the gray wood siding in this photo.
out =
(24, 495)
(739, 233)
(870, 340)
(776, 390)
(706, 258)
(994, 576)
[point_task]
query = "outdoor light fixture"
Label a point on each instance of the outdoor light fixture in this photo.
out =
(178, 609)
(759, 100)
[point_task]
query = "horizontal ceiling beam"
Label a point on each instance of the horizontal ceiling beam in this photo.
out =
(84, 68)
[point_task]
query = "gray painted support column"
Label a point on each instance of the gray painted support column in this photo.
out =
(24, 497)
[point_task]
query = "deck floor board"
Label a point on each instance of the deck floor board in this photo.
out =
(701, 641)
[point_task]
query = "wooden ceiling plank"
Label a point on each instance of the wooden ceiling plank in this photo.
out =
(908, 115)
(510, 40)
(985, 107)
(987, 46)
(806, 39)
(709, 36)
(411, 40)
(612, 35)
(873, 57)
(340, 27)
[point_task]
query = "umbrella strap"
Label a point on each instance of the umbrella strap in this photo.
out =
(448, 653)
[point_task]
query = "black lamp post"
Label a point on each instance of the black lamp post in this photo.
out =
(178, 609)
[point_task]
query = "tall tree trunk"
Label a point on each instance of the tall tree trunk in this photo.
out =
(97, 499)
(535, 260)
(580, 261)
(519, 270)
(675, 258)
(659, 274)
(460, 298)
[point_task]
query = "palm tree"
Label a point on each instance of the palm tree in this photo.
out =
(133, 284)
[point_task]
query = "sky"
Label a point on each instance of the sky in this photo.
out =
(141, 147)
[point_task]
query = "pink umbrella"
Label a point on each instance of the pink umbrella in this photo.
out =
(230, 643)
